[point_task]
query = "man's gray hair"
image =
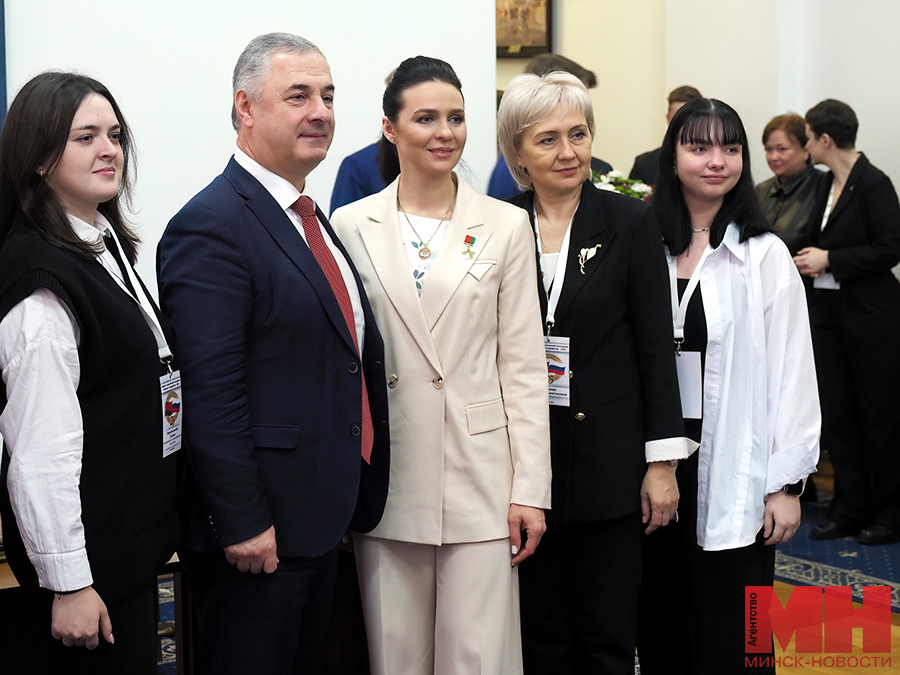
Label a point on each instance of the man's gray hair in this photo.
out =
(253, 64)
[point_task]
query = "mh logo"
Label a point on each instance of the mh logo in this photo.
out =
(823, 619)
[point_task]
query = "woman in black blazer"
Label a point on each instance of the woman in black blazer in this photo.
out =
(855, 319)
(616, 437)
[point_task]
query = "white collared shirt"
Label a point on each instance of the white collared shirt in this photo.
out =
(286, 194)
(42, 427)
(761, 417)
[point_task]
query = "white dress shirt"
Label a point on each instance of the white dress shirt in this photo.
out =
(286, 194)
(761, 417)
(42, 427)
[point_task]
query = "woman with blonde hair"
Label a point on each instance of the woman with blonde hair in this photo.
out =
(615, 419)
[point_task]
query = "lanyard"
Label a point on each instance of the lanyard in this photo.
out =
(165, 354)
(560, 273)
(679, 310)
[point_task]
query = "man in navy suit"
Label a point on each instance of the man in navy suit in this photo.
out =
(283, 374)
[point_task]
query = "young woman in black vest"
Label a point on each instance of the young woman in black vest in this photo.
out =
(88, 489)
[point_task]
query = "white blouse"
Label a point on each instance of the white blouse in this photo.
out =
(761, 418)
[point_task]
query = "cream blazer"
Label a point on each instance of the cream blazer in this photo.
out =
(466, 369)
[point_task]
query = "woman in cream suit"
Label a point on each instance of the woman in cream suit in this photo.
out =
(451, 278)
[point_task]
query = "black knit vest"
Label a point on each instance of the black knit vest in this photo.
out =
(127, 488)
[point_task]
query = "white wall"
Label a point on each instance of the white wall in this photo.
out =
(169, 65)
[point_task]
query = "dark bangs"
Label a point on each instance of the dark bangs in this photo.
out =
(718, 125)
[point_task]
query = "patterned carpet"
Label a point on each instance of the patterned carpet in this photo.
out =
(166, 613)
(840, 562)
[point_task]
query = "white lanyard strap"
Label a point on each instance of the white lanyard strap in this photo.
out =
(165, 354)
(560, 273)
(679, 309)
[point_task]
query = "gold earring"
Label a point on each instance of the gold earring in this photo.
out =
(41, 173)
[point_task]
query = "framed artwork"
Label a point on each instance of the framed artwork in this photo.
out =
(523, 28)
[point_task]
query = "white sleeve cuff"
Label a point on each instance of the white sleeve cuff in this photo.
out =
(664, 449)
(69, 571)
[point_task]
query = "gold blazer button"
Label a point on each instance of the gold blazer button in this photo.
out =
(438, 382)
(579, 417)
(392, 381)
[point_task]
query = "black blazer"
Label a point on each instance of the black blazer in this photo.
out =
(624, 388)
(646, 167)
(862, 238)
(271, 377)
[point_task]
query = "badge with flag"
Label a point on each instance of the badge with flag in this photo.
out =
(469, 241)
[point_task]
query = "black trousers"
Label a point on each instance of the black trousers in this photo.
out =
(691, 615)
(578, 596)
(31, 648)
(858, 367)
(261, 624)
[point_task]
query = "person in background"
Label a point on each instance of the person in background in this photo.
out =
(88, 479)
(502, 185)
(787, 199)
(748, 391)
(854, 233)
(358, 175)
(617, 436)
(450, 274)
(646, 166)
(284, 367)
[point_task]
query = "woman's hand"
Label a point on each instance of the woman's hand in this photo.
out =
(659, 495)
(532, 521)
(80, 618)
(811, 261)
(782, 517)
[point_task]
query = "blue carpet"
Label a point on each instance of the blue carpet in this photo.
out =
(839, 562)
(166, 665)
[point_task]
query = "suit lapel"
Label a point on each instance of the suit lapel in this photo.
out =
(848, 193)
(280, 227)
(589, 233)
(384, 244)
(452, 263)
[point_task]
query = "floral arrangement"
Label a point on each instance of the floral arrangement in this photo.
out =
(615, 181)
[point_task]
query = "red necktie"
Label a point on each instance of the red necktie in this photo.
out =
(307, 212)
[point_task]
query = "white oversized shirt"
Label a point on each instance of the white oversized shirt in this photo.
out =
(761, 417)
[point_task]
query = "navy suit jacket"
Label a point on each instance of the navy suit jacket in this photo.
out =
(358, 177)
(271, 379)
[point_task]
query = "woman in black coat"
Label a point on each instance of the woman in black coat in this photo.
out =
(615, 414)
(855, 318)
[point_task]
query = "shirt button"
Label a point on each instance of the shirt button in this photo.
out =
(438, 382)
(579, 417)
(355, 430)
(392, 381)
(353, 367)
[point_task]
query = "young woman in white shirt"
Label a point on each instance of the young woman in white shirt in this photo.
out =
(88, 484)
(748, 388)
